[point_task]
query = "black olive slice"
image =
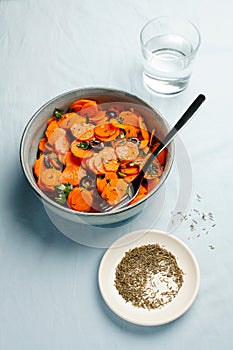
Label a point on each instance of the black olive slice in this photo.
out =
(87, 182)
(96, 144)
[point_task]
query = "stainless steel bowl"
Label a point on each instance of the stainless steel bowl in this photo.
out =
(36, 127)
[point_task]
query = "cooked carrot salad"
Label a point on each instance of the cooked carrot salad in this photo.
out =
(90, 153)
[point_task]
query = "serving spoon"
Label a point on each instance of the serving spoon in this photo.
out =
(133, 187)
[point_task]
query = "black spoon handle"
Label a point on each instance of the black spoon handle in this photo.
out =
(172, 133)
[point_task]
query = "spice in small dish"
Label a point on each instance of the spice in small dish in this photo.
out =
(148, 277)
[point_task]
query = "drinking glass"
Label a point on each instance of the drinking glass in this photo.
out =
(169, 45)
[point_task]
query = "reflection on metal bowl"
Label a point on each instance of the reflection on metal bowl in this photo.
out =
(36, 127)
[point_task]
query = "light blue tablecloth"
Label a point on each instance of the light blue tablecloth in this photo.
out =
(49, 297)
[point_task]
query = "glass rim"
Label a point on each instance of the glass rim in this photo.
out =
(174, 18)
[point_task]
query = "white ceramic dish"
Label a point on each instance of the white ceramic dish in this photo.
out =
(169, 312)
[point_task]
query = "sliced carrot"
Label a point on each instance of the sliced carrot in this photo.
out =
(98, 163)
(100, 117)
(143, 129)
(70, 159)
(152, 183)
(105, 130)
(39, 168)
(116, 123)
(100, 184)
(79, 130)
(162, 155)
(129, 178)
(89, 110)
(105, 160)
(51, 120)
(87, 103)
(151, 138)
(143, 144)
(108, 153)
(127, 151)
(42, 171)
(111, 165)
(142, 190)
(84, 107)
(141, 194)
(90, 163)
(114, 191)
(42, 144)
(130, 118)
(111, 195)
(121, 186)
(110, 138)
(70, 174)
(64, 117)
(82, 102)
(78, 151)
(87, 135)
(129, 170)
(75, 107)
(80, 199)
(50, 178)
(55, 135)
(138, 198)
(62, 144)
(51, 127)
(50, 193)
(130, 131)
(70, 119)
(110, 175)
(37, 165)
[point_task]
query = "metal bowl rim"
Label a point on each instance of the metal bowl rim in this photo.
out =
(42, 195)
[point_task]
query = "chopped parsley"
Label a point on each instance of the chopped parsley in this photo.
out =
(121, 174)
(84, 145)
(58, 113)
(120, 120)
(63, 191)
